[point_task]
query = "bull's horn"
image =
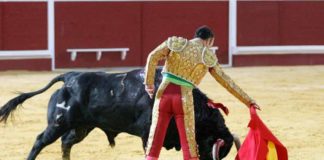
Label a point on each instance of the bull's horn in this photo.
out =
(237, 141)
(215, 152)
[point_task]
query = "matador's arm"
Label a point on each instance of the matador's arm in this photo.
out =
(153, 59)
(230, 85)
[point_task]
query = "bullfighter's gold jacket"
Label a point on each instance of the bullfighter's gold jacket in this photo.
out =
(190, 60)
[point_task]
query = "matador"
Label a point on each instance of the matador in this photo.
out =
(186, 63)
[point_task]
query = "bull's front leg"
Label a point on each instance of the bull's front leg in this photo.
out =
(47, 137)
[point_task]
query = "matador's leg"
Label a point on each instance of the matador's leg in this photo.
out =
(161, 116)
(185, 119)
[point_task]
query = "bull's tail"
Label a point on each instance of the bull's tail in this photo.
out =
(12, 105)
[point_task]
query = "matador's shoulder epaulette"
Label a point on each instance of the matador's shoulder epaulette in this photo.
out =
(209, 57)
(176, 44)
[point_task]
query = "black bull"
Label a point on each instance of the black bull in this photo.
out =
(115, 103)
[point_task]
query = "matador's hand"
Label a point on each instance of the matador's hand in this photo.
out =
(256, 106)
(150, 90)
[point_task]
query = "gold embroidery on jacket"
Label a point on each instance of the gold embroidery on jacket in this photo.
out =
(185, 59)
(209, 57)
(177, 44)
(187, 64)
(152, 61)
(230, 85)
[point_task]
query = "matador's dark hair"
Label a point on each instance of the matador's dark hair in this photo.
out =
(204, 32)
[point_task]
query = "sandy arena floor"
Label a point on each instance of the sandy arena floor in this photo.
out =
(291, 99)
